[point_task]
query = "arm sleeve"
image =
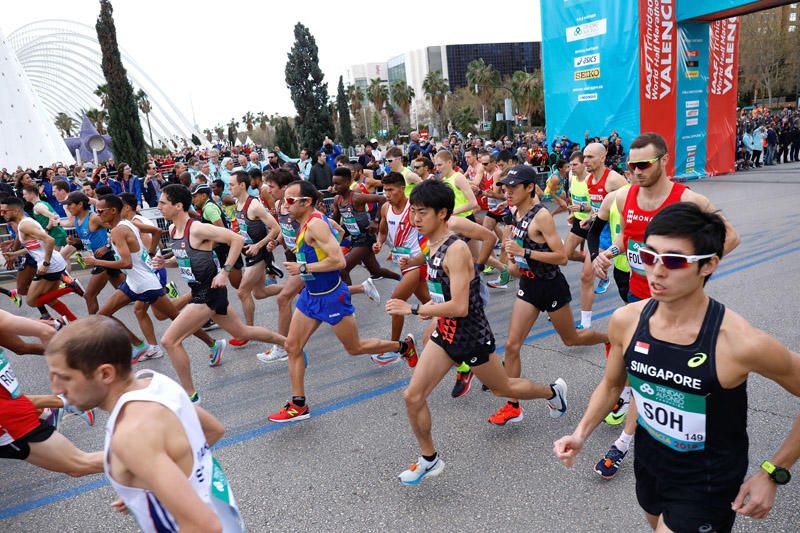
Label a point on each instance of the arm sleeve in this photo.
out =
(593, 238)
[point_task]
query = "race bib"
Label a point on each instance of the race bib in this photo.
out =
(492, 203)
(223, 501)
(398, 252)
(674, 418)
(351, 225)
(185, 269)
(243, 232)
(633, 257)
(301, 258)
(7, 377)
(435, 290)
(289, 235)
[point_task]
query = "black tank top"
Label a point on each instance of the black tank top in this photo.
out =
(531, 267)
(355, 222)
(195, 266)
(466, 332)
(689, 426)
(252, 230)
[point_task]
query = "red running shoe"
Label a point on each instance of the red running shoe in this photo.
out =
(289, 413)
(410, 355)
(507, 413)
(238, 343)
(463, 379)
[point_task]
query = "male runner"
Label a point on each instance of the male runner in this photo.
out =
(535, 250)
(464, 197)
(652, 191)
(157, 453)
(688, 359)
(394, 156)
(192, 246)
(94, 237)
(462, 333)
(212, 213)
(257, 227)
(325, 298)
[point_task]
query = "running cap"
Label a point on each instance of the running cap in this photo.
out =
(519, 174)
(76, 197)
(201, 188)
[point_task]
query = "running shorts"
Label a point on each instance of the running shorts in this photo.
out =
(545, 294)
(250, 260)
(112, 272)
(330, 307)
(215, 299)
(27, 261)
(50, 276)
(147, 297)
(472, 355)
(20, 448)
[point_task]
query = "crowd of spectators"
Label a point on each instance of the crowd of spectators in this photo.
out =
(766, 137)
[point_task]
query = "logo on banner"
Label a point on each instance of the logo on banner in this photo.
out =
(723, 55)
(692, 53)
(692, 121)
(587, 61)
(587, 74)
(586, 30)
(692, 103)
(692, 112)
(587, 97)
(692, 73)
(658, 49)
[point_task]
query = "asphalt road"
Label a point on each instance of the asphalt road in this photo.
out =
(337, 471)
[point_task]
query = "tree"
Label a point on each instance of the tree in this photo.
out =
(308, 88)
(249, 119)
(345, 125)
(145, 107)
(65, 123)
(98, 118)
(528, 95)
(402, 94)
(436, 89)
(207, 132)
(462, 109)
(355, 96)
(232, 131)
(286, 138)
(378, 94)
(102, 93)
(220, 131)
(262, 120)
(483, 79)
(127, 140)
(768, 54)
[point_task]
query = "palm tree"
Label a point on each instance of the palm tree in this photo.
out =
(262, 120)
(378, 94)
(483, 79)
(102, 93)
(249, 118)
(145, 107)
(207, 132)
(98, 118)
(356, 97)
(65, 123)
(220, 131)
(529, 94)
(435, 88)
(402, 95)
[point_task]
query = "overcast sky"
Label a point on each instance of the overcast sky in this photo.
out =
(225, 58)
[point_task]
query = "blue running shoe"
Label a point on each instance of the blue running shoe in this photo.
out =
(215, 355)
(602, 286)
(385, 358)
(609, 465)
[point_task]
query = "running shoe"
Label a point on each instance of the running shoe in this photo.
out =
(137, 353)
(609, 465)
(79, 260)
(617, 415)
(501, 282)
(238, 343)
(52, 416)
(371, 290)
(410, 355)
(172, 290)
(15, 298)
(507, 413)
(210, 325)
(385, 358)
(376, 277)
(60, 322)
(270, 281)
(215, 354)
(602, 286)
(420, 470)
(46, 317)
(86, 416)
(461, 387)
(558, 403)
(275, 354)
(489, 269)
(289, 413)
(75, 285)
(154, 352)
(194, 398)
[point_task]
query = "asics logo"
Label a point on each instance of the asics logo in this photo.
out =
(698, 359)
(520, 293)
(647, 389)
(473, 360)
(554, 304)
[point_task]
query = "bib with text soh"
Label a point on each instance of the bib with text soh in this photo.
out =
(398, 252)
(521, 262)
(7, 377)
(634, 260)
(350, 223)
(301, 258)
(674, 418)
(289, 235)
(436, 292)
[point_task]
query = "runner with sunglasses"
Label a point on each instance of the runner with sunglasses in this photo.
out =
(325, 298)
(394, 157)
(688, 359)
(652, 190)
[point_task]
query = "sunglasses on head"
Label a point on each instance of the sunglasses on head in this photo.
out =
(643, 164)
(670, 261)
(291, 200)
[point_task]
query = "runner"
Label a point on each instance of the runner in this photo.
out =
(394, 157)
(44, 288)
(325, 298)
(652, 191)
(535, 251)
(462, 333)
(94, 237)
(141, 282)
(212, 213)
(192, 246)
(465, 198)
(688, 359)
(23, 435)
(258, 228)
(554, 188)
(157, 449)
(405, 242)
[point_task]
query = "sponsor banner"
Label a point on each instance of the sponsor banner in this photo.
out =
(692, 100)
(579, 37)
(658, 70)
(722, 93)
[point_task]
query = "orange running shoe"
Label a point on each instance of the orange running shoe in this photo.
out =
(238, 343)
(507, 413)
(289, 413)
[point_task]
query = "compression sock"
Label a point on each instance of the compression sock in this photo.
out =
(403, 347)
(586, 319)
(62, 310)
(5, 291)
(463, 368)
(515, 405)
(48, 297)
(623, 442)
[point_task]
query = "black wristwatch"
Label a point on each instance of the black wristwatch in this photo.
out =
(228, 268)
(527, 253)
(415, 309)
(778, 474)
(303, 268)
(46, 263)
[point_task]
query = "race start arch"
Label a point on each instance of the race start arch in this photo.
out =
(669, 66)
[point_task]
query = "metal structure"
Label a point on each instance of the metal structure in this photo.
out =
(62, 60)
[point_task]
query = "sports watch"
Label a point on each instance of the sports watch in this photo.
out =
(228, 268)
(779, 475)
(415, 309)
(303, 268)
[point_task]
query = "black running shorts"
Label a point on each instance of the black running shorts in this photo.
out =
(578, 230)
(20, 448)
(545, 294)
(112, 272)
(623, 281)
(473, 356)
(216, 299)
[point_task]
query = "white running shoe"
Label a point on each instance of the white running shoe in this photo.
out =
(558, 403)
(154, 352)
(371, 290)
(385, 358)
(275, 354)
(421, 469)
